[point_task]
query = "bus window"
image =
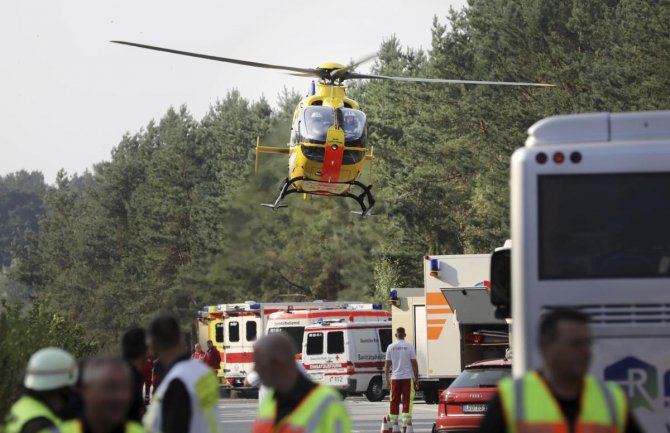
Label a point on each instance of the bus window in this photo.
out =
(604, 226)
(315, 343)
(233, 332)
(335, 342)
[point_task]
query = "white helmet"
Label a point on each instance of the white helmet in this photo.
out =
(50, 368)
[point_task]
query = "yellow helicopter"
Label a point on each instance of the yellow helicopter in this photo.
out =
(328, 145)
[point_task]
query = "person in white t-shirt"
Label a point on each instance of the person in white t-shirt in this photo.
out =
(404, 371)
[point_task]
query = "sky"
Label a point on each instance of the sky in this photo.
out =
(68, 95)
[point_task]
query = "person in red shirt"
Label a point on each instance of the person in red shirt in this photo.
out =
(198, 354)
(213, 357)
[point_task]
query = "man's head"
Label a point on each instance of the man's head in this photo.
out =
(210, 344)
(400, 333)
(198, 347)
(565, 343)
(165, 338)
(106, 388)
(275, 362)
(134, 344)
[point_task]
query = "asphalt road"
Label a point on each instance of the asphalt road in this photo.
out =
(237, 415)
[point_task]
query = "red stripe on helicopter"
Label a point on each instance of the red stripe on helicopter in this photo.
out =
(240, 357)
(332, 163)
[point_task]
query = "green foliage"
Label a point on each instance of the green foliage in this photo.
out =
(21, 204)
(173, 222)
(24, 331)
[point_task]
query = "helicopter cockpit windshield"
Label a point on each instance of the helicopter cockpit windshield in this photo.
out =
(317, 120)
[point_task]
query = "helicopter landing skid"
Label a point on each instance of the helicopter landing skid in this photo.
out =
(283, 192)
(365, 199)
(366, 208)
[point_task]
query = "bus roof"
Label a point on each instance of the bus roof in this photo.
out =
(599, 128)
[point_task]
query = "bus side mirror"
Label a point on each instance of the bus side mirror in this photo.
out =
(501, 283)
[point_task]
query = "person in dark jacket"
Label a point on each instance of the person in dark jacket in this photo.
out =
(135, 351)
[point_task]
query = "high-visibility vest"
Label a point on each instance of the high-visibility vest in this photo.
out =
(25, 409)
(530, 407)
(76, 426)
(321, 411)
(203, 390)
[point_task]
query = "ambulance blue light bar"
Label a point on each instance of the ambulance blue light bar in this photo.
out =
(376, 306)
(255, 306)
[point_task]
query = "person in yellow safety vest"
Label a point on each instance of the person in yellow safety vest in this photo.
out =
(562, 397)
(107, 391)
(294, 403)
(186, 401)
(50, 374)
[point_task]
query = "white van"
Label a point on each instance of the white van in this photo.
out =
(348, 355)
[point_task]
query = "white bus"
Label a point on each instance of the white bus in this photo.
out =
(591, 230)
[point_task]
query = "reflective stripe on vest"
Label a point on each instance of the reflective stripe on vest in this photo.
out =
(76, 426)
(203, 389)
(529, 406)
(25, 409)
(307, 417)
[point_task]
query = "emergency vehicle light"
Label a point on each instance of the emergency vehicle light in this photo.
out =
(255, 306)
(393, 295)
(376, 306)
(434, 267)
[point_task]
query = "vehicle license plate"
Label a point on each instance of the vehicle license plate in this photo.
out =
(475, 408)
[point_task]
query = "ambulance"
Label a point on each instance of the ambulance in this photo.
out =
(293, 322)
(450, 321)
(244, 323)
(348, 355)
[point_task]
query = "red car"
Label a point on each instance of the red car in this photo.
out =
(463, 404)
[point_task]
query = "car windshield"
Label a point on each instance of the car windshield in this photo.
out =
(480, 377)
(317, 120)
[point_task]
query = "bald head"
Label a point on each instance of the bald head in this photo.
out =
(275, 363)
(107, 391)
(96, 369)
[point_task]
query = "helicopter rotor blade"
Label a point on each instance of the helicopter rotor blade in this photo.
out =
(362, 60)
(357, 76)
(339, 73)
(304, 71)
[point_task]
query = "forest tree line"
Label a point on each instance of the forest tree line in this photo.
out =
(172, 221)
